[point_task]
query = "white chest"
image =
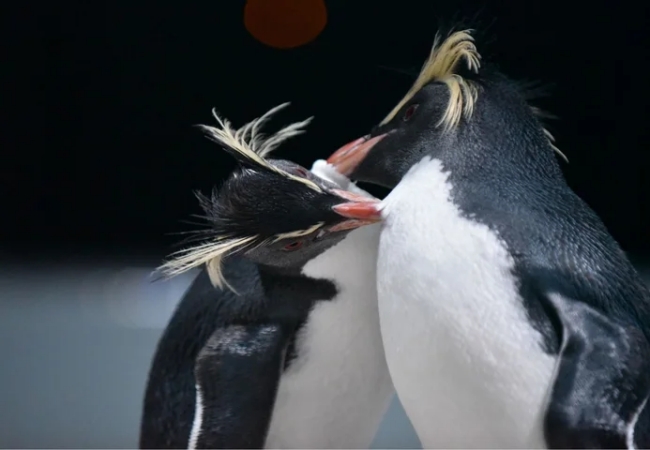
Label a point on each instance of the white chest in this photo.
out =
(466, 363)
(336, 392)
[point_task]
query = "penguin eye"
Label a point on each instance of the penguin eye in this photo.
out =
(295, 245)
(301, 172)
(409, 112)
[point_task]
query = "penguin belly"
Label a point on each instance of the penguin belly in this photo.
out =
(336, 391)
(466, 363)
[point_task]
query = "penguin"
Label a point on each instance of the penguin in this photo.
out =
(276, 344)
(510, 317)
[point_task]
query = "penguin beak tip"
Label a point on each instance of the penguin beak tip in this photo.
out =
(347, 158)
(359, 210)
(362, 211)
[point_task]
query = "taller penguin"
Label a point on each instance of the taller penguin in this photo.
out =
(510, 317)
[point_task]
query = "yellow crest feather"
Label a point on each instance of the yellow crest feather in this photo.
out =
(442, 65)
(210, 252)
(253, 146)
(298, 233)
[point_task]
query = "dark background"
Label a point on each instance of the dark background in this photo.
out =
(99, 149)
(100, 158)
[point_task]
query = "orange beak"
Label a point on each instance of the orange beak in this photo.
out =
(348, 157)
(359, 209)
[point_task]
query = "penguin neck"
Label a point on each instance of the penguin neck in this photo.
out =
(481, 151)
(351, 263)
(267, 271)
(348, 264)
(513, 160)
(289, 282)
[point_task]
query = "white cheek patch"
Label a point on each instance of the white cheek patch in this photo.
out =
(326, 171)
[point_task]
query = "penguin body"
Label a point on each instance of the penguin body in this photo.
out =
(294, 359)
(510, 317)
(485, 367)
(334, 386)
(169, 401)
(337, 389)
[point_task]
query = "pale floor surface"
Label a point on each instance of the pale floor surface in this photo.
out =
(76, 345)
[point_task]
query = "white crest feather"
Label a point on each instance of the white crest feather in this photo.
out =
(252, 145)
(264, 145)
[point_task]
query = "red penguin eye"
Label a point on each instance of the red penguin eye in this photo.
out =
(301, 172)
(292, 246)
(409, 112)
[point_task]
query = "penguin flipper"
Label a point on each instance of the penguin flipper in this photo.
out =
(237, 375)
(602, 382)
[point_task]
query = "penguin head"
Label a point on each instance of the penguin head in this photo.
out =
(273, 212)
(455, 108)
(285, 221)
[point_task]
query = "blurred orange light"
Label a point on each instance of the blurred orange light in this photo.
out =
(285, 23)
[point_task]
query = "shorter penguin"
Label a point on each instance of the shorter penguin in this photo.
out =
(278, 338)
